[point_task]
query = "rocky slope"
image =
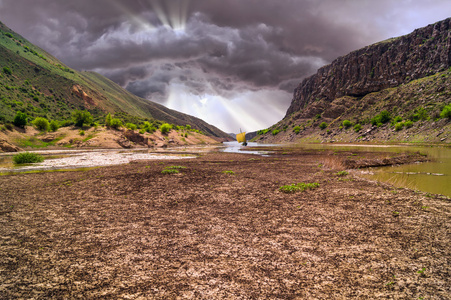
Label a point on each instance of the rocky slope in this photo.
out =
(35, 82)
(387, 64)
(409, 77)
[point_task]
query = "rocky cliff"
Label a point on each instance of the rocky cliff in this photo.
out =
(383, 65)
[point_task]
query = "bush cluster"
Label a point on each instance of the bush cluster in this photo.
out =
(27, 158)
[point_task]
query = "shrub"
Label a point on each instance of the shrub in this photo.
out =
(446, 112)
(27, 158)
(186, 134)
(408, 124)
(347, 124)
(7, 71)
(382, 118)
(81, 117)
(165, 128)
(342, 173)
(142, 131)
(108, 119)
(275, 131)
(188, 127)
(41, 124)
(20, 120)
(397, 119)
(116, 123)
(421, 114)
(399, 126)
(263, 131)
(323, 125)
(357, 127)
(81, 132)
(131, 126)
(9, 126)
(296, 129)
(54, 125)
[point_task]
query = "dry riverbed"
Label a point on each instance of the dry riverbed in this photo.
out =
(222, 229)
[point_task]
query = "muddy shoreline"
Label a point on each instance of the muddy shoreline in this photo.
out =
(222, 229)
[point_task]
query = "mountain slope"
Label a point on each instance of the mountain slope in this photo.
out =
(409, 77)
(35, 82)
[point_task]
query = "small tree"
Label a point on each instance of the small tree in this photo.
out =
(41, 124)
(20, 120)
(81, 117)
(108, 120)
(165, 128)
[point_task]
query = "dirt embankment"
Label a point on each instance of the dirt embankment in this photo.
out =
(221, 229)
(100, 137)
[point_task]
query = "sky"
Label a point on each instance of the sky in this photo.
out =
(232, 63)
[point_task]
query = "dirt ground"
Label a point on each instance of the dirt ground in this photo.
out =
(131, 232)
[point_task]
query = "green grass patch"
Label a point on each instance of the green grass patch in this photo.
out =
(228, 172)
(342, 173)
(172, 169)
(298, 187)
(27, 158)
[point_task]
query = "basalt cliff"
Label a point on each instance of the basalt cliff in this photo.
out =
(404, 76)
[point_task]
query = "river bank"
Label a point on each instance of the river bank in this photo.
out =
(222, 228)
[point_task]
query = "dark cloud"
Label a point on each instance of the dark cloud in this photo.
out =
(211, 47)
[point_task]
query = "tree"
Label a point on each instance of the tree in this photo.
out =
(165, 128)
(41, 124)
(108, 120)
(323, 125)
(20, 120)
(81, 117)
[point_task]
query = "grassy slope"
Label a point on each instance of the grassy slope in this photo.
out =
(40, 85)
(429, 94)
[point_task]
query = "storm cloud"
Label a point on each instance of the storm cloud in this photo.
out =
(233, 63)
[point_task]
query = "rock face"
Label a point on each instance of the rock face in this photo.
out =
(7, 147)
(387, 64)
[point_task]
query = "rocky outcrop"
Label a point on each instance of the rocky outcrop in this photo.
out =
(7, 147)
(387, 64)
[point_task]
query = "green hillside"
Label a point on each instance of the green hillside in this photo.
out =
(38, 84)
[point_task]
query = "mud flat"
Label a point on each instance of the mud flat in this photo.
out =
(221, 228)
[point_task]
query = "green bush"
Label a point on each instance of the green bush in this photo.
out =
(323, 125)
(142, 131)
(382, 118)
(420, 114)
(116, 123)
(357, 127)
(446, 112)
(7, 71)
(275, 131)
(54, 125)
(347, 124)
(81, 117)
(296, 129)
(81, 132)
(188, 127)
(41, 124)
(131, 126)
(263, 131)
(397, 119)
(408, 124)
(399, 126)
(20, 120)
(165, 128)
(108, 119)
(27, 158)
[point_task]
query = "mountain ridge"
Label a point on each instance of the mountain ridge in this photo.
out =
(41, 85)
(408, 78)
